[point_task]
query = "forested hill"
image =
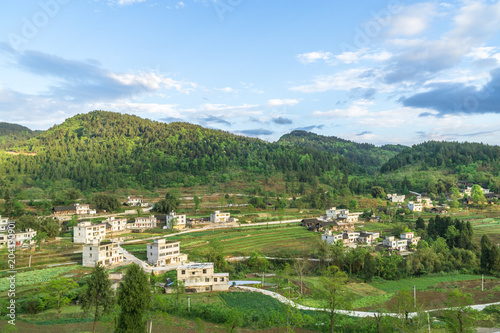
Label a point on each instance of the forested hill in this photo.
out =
(455, 156)
(366, 155)
(105, 150)
(11, 134)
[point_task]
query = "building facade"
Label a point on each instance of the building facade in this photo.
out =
(84, 232)
(105, 253)
(143, 223)
(180, 221)
(220, 217)
(200, 277)
(162, 253)
(20, 239)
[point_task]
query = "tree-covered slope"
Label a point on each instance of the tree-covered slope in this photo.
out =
(105, 150)
(365, 155)
(12, 134)
(446, 155)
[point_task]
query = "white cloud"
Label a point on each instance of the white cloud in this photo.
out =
(346, 80)
(413, 21)
(126, 2)
(307, 58)
(356, 110)
(349, 57)
(282, 102)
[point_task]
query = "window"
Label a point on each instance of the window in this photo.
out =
(207, 288)
(194, 273)
(215, 279)
(221, 279)
(90, 255)
(91, 248)
(183, 272)
(204, 271)
(207, 279)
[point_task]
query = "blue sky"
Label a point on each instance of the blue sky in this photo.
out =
(374, 71)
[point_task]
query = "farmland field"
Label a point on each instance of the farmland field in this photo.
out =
(243, 241)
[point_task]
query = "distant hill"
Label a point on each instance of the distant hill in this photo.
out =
(365, 155)
(12, 134)
(446, 155)
(105, 150)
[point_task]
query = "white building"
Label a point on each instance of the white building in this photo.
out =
(368, 237)
(134, 201)
(4, 222)
(410, 238)
(180, 221)
(394, 197)
(331, 238)
(162, 253)
(143, 223)
(415, 206)
(395, 244)
(84, 232)
(105, 253)
(83, 209)
(220, 217)
(21, 239)
(344, 214)
(114, 225)
(200, 277)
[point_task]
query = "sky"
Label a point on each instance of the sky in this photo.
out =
(381, 72)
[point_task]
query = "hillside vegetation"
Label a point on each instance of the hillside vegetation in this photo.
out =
(104, 150)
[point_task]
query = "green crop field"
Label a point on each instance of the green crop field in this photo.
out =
(37, 277)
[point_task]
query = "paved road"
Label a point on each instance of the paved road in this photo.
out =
(285, 300)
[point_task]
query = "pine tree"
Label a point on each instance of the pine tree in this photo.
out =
(98, 293)
(134, 297)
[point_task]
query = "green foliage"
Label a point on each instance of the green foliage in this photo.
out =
(57, 291)
(36, 277)
(106, 202)
(98, 293)
(104, 150)
(134, 297)
(169, 204)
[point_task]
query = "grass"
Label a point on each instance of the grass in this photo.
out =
(422, 283)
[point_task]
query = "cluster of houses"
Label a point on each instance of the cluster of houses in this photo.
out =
(335, 219)
(196, 277)
(352, 239)
(18, 239)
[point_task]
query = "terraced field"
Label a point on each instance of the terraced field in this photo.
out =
(243, 241)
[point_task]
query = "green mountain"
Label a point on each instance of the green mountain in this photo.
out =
(105, 150)
(365, 155)
(12, 134)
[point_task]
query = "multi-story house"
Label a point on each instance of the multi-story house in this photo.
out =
(410, 238)
(84, 232)
(331, 238)
(114, 225)
(162, 253)
(134, 201)
(394, 197)
(106, 253)
(20, 239)
(415, 206)
(200, 277)
(368, 237)
(342, 214)
(220, 217)
(394, 243)
(180, 221)
(143, 223)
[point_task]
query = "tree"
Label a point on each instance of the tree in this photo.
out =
(369, 267)
(405, 305)
(489, 255)
(105, 202)
(378, 192)
(420, 224)
(300, 266)
(477, 194)
(134, 297)
(460, 318)
(196, 202)
(169, 204)
(332, 292)
(57, 291)
(39, 238)
(98, 293)
(216, 254)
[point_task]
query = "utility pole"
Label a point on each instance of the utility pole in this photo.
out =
(415, 296)
(482, 282)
